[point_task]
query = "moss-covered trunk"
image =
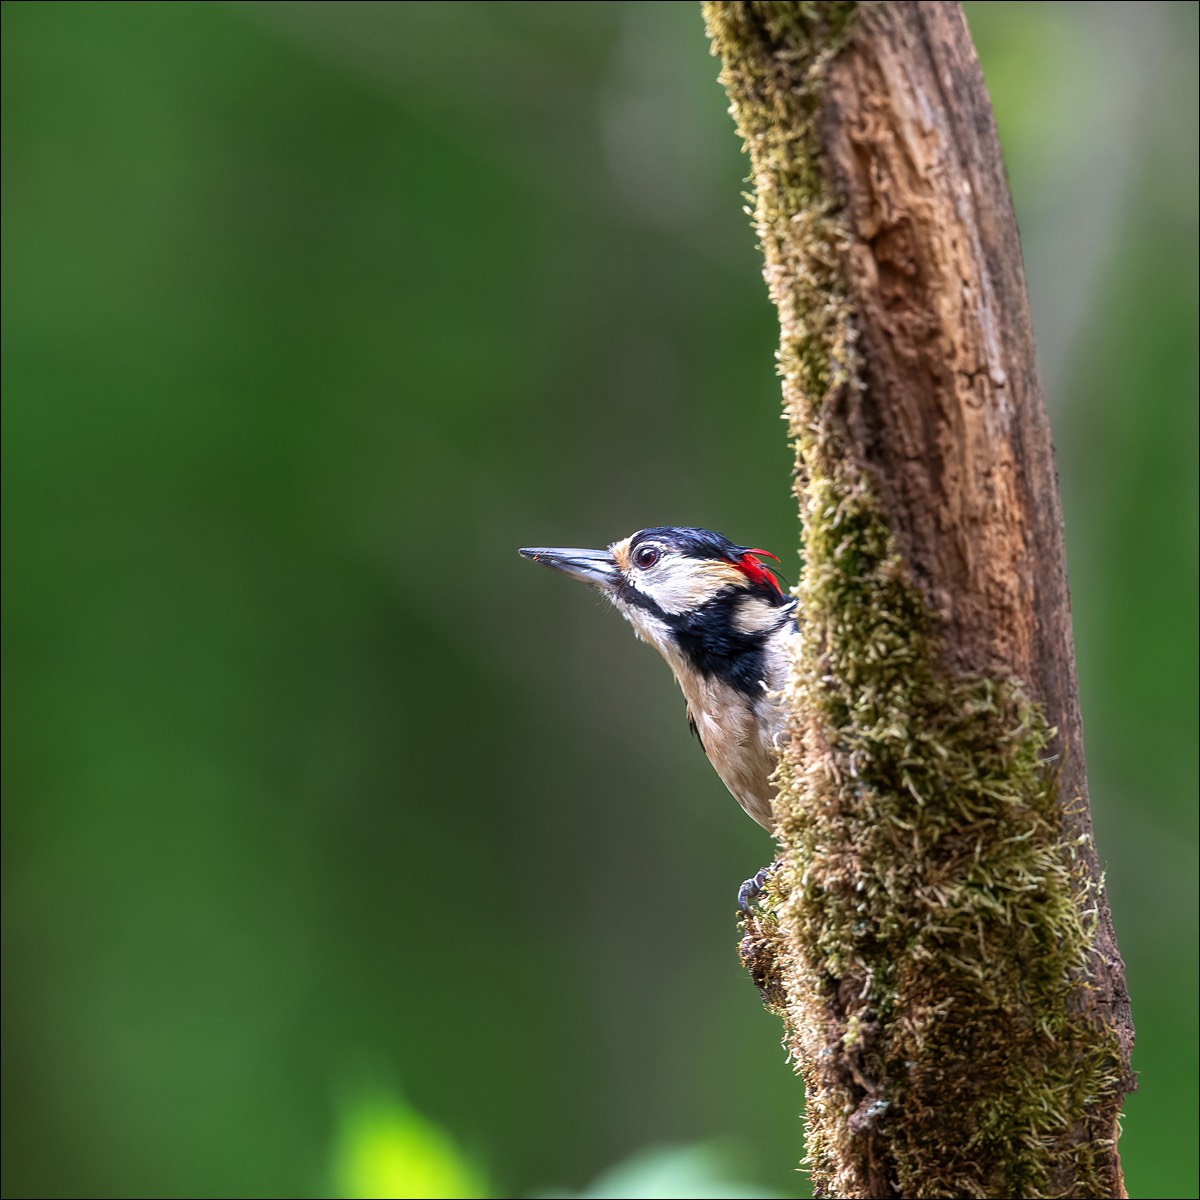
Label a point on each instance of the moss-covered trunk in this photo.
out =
(937, 939)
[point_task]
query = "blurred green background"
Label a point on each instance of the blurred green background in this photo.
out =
(330, 826)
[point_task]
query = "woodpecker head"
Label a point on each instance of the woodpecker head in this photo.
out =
(708, 605)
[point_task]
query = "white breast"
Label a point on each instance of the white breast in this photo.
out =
(740, 738)
(740, 734)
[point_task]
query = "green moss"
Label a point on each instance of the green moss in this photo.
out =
(933, 928)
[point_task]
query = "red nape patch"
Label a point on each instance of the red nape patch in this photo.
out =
(753, 570)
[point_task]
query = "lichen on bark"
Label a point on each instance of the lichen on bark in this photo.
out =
(931, 936)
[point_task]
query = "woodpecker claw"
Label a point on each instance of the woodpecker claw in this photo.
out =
(750, 891)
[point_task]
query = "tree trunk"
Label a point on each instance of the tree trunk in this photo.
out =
(937, 938)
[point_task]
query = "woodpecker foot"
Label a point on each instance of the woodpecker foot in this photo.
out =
(750, 891)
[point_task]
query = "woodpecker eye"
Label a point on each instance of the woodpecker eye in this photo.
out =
(646, 556)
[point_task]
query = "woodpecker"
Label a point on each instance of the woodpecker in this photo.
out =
(718, 616)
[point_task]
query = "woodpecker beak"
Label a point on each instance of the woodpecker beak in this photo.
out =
(591, 566)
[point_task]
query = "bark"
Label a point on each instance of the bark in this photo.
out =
(937, 940)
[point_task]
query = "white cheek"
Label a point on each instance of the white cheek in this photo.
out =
(678, 586)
